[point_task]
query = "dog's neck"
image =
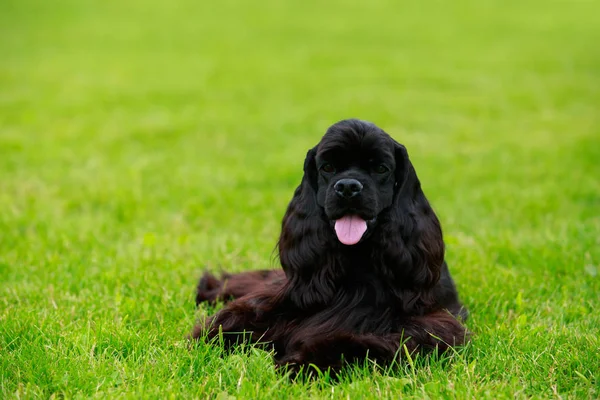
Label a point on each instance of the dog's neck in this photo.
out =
(351, 272)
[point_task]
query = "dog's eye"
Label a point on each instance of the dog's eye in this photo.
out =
(381, 169)
(328, 168)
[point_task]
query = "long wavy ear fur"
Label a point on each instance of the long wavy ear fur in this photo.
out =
(414, 242)
(304, 240)
(299, 249)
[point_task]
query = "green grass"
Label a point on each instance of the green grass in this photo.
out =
(142, 142)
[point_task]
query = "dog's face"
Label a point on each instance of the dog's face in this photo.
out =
(356, 177)
(359, 188)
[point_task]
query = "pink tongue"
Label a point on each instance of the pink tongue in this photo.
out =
(350, 228)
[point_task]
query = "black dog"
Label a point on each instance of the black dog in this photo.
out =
(363, 264)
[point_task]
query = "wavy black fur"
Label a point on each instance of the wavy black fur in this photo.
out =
(334, 303)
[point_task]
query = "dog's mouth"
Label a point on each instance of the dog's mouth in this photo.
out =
(351, 228)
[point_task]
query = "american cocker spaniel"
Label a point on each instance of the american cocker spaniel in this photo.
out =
(363, 271)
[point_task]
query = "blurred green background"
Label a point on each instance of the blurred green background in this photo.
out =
(142, 142)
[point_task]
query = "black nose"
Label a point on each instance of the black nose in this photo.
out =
(347, 188)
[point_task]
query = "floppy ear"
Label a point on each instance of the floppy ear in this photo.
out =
(304, 241)
(414, 240)
(299, 247)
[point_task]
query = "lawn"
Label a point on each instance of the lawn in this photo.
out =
(143, 142)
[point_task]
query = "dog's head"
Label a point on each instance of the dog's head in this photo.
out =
(356, 166)
(360, 189)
